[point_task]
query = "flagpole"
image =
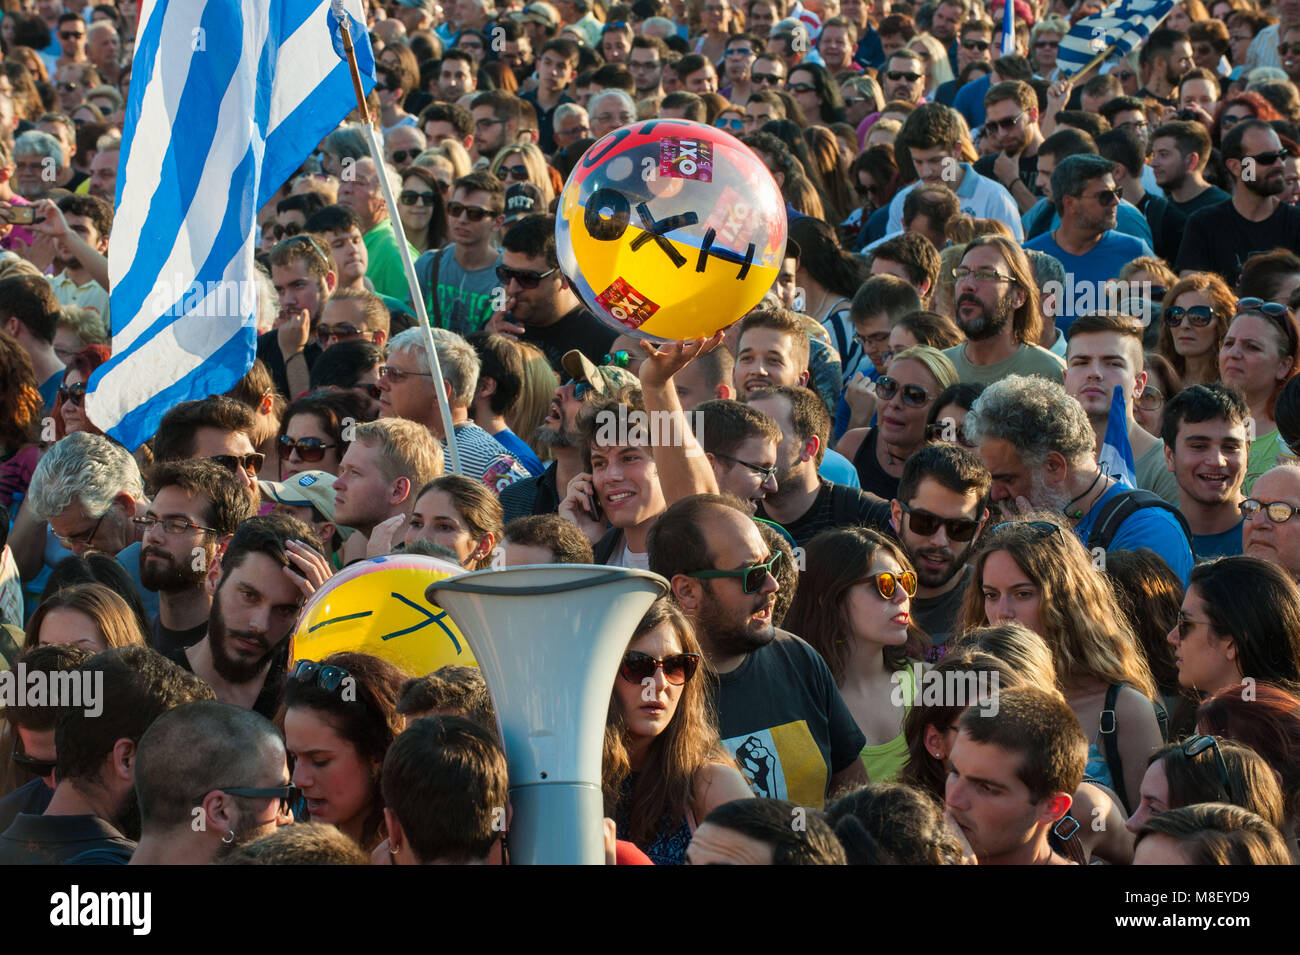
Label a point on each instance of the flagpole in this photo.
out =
(377, 153)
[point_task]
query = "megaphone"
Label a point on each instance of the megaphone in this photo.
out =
(549, 639)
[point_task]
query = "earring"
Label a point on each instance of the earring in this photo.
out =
(229, 837)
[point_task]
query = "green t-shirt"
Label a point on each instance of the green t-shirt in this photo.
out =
(384, 262)
(1265, 452)
(1027, 360)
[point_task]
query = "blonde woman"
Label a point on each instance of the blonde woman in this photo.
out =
(540, 382)
(937, 68)
(524, 162)
(1038, 574)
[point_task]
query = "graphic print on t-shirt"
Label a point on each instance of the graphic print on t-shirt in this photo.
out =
(783, 762)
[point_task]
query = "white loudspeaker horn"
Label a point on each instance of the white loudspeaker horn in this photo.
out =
(549, 639)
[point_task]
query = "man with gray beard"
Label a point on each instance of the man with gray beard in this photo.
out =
(559, 432)
(1038, 445)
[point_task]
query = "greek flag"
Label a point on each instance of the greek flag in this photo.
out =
(230, 96)
(1009, 28)
(1116, 457)
(1122, 26)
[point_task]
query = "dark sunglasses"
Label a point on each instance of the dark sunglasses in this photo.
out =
(766, 79)
(341, 331)
(1042, 529)
(752, 578)
(1284, 49)
(517, 173)
(1158, 292)
(309, 449)
(1107, 197)
(887, 583)
(310, 672)
(284, 231)
(73, 394)
(895, 75)
(1198, 316)
(251, 462)
(70, 36)
(1006, 125)
(1272, 309)
(637, 667)
(937, 432)
(411, 198)
(580, 388)
(374, 391)
(733, 123)
(41, 767)
(914, 396)
(526, 278)
(476, 214)
(927, 524)
(401, 155)
(1268, 159)
(287, 795)
(1193, 746)
(801, 88)
(978, 45)
(1185, 624)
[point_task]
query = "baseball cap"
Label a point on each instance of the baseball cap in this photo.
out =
(542, 13)
(604, 379)
(523, 199)
(305, 489)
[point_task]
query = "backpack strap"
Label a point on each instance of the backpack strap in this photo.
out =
(1124, 505)
(1110, 742)
(427, 268)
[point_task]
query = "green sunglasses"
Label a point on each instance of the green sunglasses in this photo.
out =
(752, 578)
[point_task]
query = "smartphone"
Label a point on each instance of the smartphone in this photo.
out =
(595, 511)
(20, 215)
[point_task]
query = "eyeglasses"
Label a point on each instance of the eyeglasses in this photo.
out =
(1006, 125)
(895, 75)
(1158, 292)
(800, 88)
(1282, 48)
(580, 388)
(637, 667)
(288, 794)
(73, 394)
(1042, 529)
(914, 396)
(83, 537)
(1107, 197)
(401, 155)
(279, 231)
(487, 123)
(1229, 120)
(732, 123)
(476, 214)
(1193, 746)
(410, 197)
(1150, 399)
(1198, 316)
(41, 767)
(175, 526)
(70, 35)
(397, 376)
(1279, 512)
(978, 46)
(766, 474)
(887, 583)
(517, 173)
(740, 51)
(937, 432)
(927, 524)
(340, 332)
(854, 100)
(1272, 309)
(309, 449)
(526, 278)
(981, 275)
(1268, 159)
(251, 462)
(310, 672)
(1047, 44)
(767, 79)
(752, 578)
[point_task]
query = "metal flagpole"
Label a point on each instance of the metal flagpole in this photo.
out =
(377, 153)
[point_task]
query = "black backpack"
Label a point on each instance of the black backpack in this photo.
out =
(1123, 506)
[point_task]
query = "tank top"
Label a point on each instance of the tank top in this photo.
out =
(671, 837)
(885, 761)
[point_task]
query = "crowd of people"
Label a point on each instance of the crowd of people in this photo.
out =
(980, 529)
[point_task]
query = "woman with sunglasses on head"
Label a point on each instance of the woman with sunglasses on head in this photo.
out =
(906, 392)
(461, 515)
(524, 162)
(311, 438)
(1259, 354)
(1196, 312)
(664, 769)
(420, 205)
(70, 406)
(1240, 620)
(339, 718)
(1038, 574)
(854, 606)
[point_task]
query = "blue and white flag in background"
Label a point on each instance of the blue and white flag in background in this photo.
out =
(229, 98)
(1008, 28)
(1116, 457)
(1122, 25)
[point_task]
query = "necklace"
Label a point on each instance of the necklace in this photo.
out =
(1078, 514)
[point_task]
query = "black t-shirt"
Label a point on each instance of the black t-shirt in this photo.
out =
(30, 797)
(782, 717)
(871, 475)
(577, 329)
(1166, 224)
(52, 840)
(167, 641)
(268, 349)
(268, 701)
(1028, 170)
(855, 507)
(1219, 240)
(937, 616)
(1210, 197)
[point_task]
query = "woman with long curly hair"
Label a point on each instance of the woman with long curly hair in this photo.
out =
(20, 420)
(853, 606)
(1038, 574)
(664, 769)
(1194, 319)
(339, 718)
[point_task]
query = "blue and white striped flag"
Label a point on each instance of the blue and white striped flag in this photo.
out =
(1009, 28)
(229, 98)
(1122, 25)
(1116, 457)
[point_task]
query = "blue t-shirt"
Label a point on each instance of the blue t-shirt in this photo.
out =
(969, 100)
(50, 390)
(1224, 544)
(1086, 275)
(1152, 527)
(522, 452)
(838, 469)
(129, 558)
(1129, 220)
